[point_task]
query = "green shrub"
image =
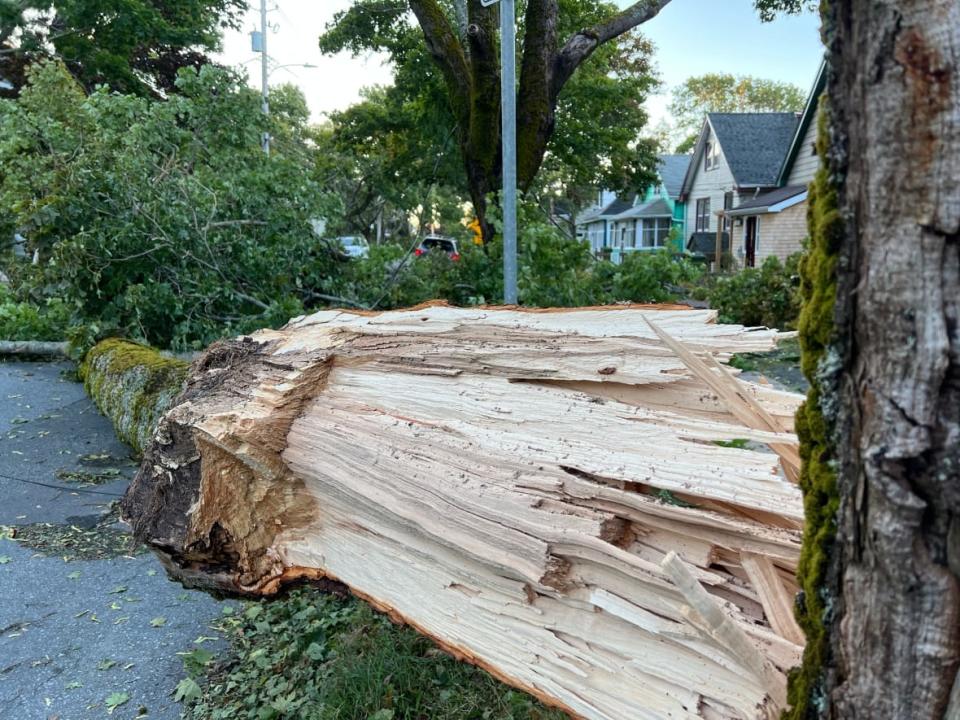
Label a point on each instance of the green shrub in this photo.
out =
(27, 321)
(553, 271)
(768, 295)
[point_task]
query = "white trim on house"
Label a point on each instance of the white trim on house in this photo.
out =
(767, 209)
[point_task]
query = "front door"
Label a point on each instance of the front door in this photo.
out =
(751, 242)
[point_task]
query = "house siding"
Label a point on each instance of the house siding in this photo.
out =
(711, 184)
(781, 234)
(807, 161)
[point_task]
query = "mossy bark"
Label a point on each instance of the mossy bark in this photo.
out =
(818, 480)
(133, 385)
(880, 331)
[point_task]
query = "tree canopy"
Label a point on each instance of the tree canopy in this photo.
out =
(460, 86)
(131, 45)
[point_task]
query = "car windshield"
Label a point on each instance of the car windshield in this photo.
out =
(441, 243)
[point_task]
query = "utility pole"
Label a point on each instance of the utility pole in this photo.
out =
(264, 73)
(508, 112)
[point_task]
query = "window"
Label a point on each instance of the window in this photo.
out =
(727, 206)
(595, 235)
(655, 232)
(711, 155)
(703, 215)
(813, 148)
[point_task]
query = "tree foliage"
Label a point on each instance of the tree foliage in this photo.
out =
(162, 219)
(723, 92)
(131, 45)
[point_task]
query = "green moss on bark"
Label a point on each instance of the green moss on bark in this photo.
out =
(818, 478)
(133, 385)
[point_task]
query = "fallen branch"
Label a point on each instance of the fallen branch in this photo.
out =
(33, 347)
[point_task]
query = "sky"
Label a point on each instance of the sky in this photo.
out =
(692, 37)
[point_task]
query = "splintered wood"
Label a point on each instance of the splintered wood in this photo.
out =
(550, 495)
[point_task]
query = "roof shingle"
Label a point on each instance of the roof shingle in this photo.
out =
(754, 144)
(673, 168)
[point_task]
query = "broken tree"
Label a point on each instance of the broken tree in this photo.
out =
(550, 495)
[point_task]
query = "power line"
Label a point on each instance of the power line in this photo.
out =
(83, 491)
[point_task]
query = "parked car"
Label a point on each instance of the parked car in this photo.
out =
(355, 246)
(442, 244)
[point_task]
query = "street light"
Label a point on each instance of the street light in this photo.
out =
(508, 109)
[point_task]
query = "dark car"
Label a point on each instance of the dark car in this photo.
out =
(442, 244)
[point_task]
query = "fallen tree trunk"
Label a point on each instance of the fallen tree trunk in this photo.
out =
(133, 385)
(543, 493)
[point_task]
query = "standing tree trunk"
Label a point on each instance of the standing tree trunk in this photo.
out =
(881, 430)
(471, 72)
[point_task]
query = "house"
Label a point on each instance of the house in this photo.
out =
(737, 157)
(748, 179)
(775, 222)
(638, 221)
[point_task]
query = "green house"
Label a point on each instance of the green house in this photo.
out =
(639, 221)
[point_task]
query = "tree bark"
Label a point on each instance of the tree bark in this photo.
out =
(545, 494)
(891, 374)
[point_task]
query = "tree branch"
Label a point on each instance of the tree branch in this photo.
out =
(582, 45)
(446, 49)
(535, 116)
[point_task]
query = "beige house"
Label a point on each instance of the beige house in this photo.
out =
(775, 222)
(748, 181)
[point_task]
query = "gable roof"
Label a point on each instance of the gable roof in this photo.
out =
(620, 204)
(673, 168)
(809, 114)
(754, 144)
(590, 215)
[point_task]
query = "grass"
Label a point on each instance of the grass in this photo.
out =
(781, 365)
(314, 656)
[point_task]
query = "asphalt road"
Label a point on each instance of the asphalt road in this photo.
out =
(74, 633)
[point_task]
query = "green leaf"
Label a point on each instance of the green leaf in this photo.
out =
(75, 575)
(4, 559)
(316, 651)
(106, 664)
(195, 660)
(187, 690)
(115, 700)
(159, 621)
(383, 714)
(117, 590)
